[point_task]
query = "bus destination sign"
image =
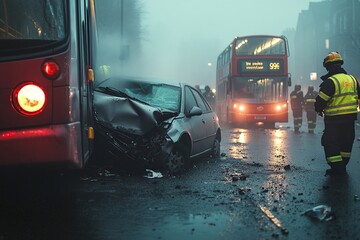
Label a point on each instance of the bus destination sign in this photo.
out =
(260, 66)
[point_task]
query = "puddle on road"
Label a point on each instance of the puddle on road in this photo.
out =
(207, 226)
(238, 141)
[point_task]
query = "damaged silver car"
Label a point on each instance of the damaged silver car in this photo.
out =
(153, 124)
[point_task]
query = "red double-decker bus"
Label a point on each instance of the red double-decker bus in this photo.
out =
(252, 80)
(45, 82)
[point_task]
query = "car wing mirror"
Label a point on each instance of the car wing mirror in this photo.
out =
(195, 111)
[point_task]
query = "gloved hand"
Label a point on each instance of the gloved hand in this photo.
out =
(321, 114)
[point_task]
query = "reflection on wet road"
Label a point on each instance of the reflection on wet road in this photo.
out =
(259, 189)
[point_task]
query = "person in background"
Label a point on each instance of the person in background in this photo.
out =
(296, 102)
(197, 87)
(337, 102)
(309, 100)
(209, 96)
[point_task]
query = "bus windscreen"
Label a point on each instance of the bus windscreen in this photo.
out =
(32, 20)
(31, 28)
(259, 89)
(260, 46)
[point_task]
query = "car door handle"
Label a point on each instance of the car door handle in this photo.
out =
(203, 121)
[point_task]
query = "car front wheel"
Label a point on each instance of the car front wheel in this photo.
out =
(178, 160)
(215, 151)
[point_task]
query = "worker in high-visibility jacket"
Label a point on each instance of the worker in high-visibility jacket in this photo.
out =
(309, 108)
(296, 103)
(105, 70)
(337, 102)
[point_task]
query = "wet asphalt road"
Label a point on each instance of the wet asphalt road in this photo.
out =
(259, 189)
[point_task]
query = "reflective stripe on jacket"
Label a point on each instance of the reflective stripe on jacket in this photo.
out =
(345, 98)
(309, 101)
(296, 99)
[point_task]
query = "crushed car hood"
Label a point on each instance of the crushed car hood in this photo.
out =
(125, 114)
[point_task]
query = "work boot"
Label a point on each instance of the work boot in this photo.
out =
(336, 171)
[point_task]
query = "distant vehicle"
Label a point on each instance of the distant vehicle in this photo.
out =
(153, 124)
(46, 48)
(252, 80)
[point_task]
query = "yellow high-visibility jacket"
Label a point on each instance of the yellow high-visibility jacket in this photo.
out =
(345, 98)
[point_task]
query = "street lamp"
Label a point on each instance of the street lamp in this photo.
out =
(327, 43)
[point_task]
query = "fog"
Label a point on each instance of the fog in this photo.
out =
(180, 40)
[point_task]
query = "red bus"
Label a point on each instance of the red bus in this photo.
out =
(252, 80)
(46, 82)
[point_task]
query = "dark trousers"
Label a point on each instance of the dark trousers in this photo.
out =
(311, 119)
(337, 140)
(297, 114)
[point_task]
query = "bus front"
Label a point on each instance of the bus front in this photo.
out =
(39, 83)
(259, 80)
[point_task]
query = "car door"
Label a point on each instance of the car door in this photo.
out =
(195, 124)
(208, 118)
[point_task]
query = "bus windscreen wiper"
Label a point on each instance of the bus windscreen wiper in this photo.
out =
(113, 91)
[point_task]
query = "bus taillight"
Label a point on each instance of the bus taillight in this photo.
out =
(29, 99)
(50, 69)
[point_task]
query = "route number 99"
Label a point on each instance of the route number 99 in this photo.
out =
(274, 66)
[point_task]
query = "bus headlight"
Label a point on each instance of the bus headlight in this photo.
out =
(239, 107)
(280, 107)
(29, 99)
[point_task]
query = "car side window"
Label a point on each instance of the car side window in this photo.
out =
(200, 102)
(190, 101)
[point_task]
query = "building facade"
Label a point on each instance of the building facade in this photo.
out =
(330, 25)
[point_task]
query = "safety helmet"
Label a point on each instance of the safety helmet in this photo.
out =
(332, 57)
(311, 88)
(297, 87)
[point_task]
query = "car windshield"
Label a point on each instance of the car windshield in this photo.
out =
(155, 94)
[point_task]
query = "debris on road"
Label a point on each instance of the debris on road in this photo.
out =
(241, 176)
(242, 190)
(321, 212)
(287, 167)
(106, 173)
(235, 176)
(153, 174)
(356, 198)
